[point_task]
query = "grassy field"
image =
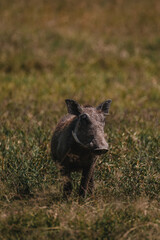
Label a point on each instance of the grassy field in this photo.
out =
(89, 51)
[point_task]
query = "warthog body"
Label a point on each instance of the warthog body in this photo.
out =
(77, 140)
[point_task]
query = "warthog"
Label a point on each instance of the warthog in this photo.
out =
(77, 140)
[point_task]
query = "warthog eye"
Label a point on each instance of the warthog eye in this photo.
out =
(84, 118)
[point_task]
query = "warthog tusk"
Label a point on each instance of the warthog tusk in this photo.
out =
(78, 141)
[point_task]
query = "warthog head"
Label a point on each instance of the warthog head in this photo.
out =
(89, 126)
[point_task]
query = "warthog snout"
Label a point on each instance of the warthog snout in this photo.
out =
(99, 151)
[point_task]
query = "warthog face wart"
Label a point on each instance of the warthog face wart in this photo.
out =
(78, 138)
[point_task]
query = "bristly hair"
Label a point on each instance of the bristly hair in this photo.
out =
(87, 106)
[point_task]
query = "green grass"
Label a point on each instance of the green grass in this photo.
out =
(89, 51)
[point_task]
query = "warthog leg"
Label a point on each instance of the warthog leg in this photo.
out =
(67, 187)
(91, 185)
(87, 182)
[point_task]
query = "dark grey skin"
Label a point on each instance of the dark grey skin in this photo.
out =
(77, 140)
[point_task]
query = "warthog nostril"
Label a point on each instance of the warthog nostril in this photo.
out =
(99, 151)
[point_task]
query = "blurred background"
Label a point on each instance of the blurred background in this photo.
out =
(88, 50)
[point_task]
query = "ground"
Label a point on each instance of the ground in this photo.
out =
(89, 51)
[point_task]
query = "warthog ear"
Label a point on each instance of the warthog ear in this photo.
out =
(73, 107)
(104, 107)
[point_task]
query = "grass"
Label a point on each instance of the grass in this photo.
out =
(89, 51)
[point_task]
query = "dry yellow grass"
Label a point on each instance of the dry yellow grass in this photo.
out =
(89, 51)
